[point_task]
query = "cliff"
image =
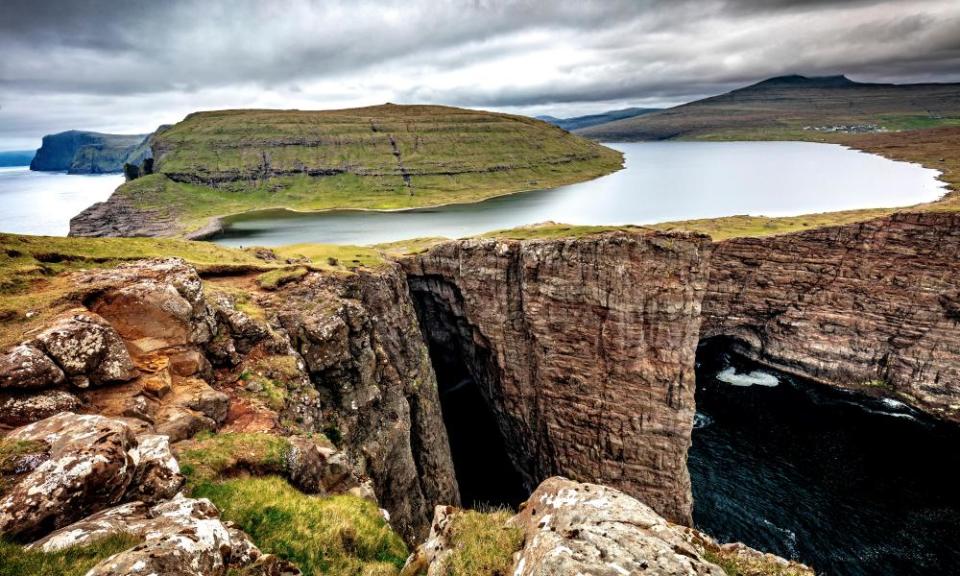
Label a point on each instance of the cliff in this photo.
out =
(872, 306)
(582, 348)
(213, 164)
(80, 152)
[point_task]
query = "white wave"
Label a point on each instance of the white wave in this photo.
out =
(755, 378)
(701, 420)
(891, 403)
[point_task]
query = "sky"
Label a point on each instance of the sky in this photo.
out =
(128, 66)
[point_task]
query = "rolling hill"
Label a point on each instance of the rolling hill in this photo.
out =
(578, 122)
(794, 107)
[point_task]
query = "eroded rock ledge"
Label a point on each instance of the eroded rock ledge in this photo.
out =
(872, 306)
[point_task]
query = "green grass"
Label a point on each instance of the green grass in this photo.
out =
(552, 230)
(76, 561)
(212, 457)
(276, 278)
(32, 269)
(333, 535)
(11, 452)
(734, 565)
(483, 544)
(229, 162)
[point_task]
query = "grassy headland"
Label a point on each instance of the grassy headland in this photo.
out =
(388, 157)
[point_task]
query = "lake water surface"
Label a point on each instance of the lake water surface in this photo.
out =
(662, 181)
(43, 202)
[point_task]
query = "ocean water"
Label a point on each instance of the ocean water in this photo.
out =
(848, 484)
(661, 181)
(43, 202)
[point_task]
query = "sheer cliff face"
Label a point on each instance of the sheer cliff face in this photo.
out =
(362, 347)
(583, 349)
(873, 305)
(86, 152)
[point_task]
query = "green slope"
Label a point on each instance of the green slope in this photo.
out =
(795, 108)
(383, 157)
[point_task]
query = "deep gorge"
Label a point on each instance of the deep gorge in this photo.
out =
(868, 307)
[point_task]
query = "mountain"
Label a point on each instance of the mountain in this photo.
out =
(16, 158)
(794, 107)
(214, 164)
(578, 122)
(80, 152)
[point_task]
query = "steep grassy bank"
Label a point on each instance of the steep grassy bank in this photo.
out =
(383, 158)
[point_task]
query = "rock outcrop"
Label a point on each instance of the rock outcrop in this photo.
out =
(85, 477)
(583, 349)
(88, 463)
(80, 152)
(579, 528)
(365, 355)
(872, 306)
(152, 347)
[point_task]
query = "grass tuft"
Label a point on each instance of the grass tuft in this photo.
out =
(333, 535)
(212, 457)
(76, 561)
(276, 278)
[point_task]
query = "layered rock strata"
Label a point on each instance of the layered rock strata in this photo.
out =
(582, 348)
(873, 306)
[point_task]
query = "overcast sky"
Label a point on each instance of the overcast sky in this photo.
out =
(128, 65)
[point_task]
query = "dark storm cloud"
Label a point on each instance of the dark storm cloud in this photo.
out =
(128, 64)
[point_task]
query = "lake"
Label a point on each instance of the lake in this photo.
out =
(43, 202)
(662, 181)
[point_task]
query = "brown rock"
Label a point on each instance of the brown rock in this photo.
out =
(578, 528)
(585, 348)
(870, 305)
(179, 423)
(154, 304)
(88, 349)
(20, 409)
(318, 470)
(158, 475)
(91, 463)
(25, 367)
(372, 385)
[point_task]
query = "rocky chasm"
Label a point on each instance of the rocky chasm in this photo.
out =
(581, 350)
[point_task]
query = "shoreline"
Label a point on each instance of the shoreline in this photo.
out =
(219, 224)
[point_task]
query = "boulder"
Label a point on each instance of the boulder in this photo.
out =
(25, 367)
(579, 528)
(430, 558)
(91, 463)
(88, 349)
(183, 536)
(317, 469)
(158, 474)
(154, 304)
(19, 409)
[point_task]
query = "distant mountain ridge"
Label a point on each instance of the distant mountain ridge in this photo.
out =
(80, 152)
(578, 122)
(793, 107)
